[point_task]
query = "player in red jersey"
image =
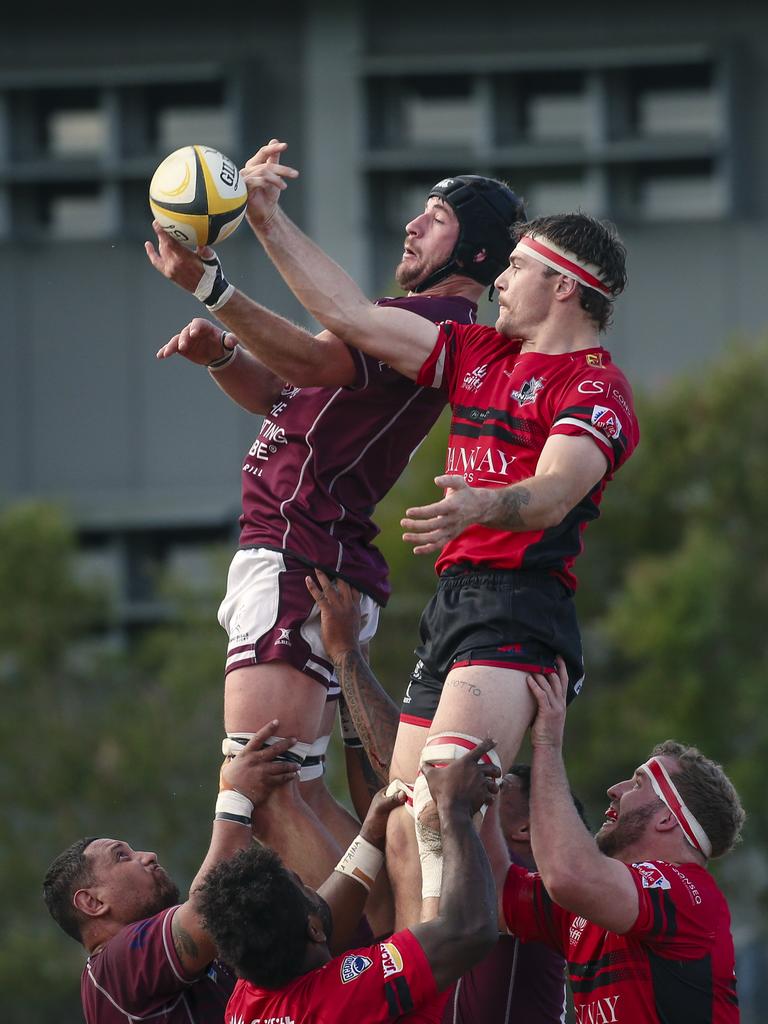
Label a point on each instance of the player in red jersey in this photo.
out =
(149, 956)
(644, 927)
(333, 441)
(541, 421)
(275, 932)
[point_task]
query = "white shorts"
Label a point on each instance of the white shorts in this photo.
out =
(269, 615)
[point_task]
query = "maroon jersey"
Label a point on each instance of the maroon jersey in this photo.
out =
(138, 975)
(389, 981)
(517, 983)
(505, 406)
(325, 457)
(674, 966)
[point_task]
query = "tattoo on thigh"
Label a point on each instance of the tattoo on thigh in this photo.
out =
(466, 686)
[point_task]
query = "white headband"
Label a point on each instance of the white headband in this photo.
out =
(565, 262)
(667, 792)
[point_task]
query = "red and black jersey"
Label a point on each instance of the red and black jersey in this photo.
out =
(674, 966)
(389, 981)
(325, 457)
(506, 404)
(137, 975)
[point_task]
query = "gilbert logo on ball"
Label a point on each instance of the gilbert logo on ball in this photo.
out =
(198, 196)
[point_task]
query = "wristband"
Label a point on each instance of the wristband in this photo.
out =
(213, 289)
(349, 733)
(233, 806)
(362, 861)
(226, 359)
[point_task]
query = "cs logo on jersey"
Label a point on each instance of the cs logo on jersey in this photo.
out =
(606, 421)
(528, 392)
(391, 960)
(651, 876)
(353, 966)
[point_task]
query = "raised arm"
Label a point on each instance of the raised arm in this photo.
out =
(374, 714)
(575, 873)
(289, 351)
(465, 928)
(567, 470)
(402, 339)
(248, 778)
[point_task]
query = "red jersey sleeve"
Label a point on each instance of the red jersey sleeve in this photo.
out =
(598, 402)
(139, 968)
(529, 913)
(680, 907)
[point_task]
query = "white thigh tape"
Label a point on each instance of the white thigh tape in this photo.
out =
(398, 786)
(235, 741)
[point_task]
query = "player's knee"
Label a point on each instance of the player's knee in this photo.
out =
(439, 750)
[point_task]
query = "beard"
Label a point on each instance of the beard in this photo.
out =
(625, 832)
(166, 895)
(410, 273)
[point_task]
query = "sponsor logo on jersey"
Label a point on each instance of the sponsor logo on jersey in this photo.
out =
(651, 876)
(594, 358)
(391, 959)
(353, 966)
(606, 421)
(695, 894)
(599, 1011)
(480, 459)
(290, 391)
(285, 637)
(473, 380)
(528, 392)
(593, 387)
(578, 924)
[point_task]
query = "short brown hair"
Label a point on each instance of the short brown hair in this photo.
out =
(594, 241)
(68, 873)
(708, 792)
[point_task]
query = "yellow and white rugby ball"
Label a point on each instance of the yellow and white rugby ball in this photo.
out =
(198, 196)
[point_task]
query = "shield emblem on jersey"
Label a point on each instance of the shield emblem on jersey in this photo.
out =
(353, 966)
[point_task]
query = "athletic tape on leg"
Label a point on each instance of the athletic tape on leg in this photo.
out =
(235, 741)
(438, 751)
(314, 763)
(398, 786)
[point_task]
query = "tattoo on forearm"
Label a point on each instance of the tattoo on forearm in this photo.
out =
(186, 947)
(511, 501)
(373, 711)
(373, 781)
(464, 684)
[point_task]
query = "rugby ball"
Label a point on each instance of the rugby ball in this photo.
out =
(198, 196)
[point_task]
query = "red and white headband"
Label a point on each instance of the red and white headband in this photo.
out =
(667, 792)
(565, 262)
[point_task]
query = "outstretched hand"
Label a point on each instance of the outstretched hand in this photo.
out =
(265, 178)
(255, 771)
(466, 781)
(174, 261)
(550, 692)
(429, 527)
(339, 606)
(200, 342)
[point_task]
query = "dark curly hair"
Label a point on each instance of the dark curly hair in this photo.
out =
(257, 916)
(68, 873)
(708, 792)
(593, 241)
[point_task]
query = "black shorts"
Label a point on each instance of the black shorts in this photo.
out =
(502, 618)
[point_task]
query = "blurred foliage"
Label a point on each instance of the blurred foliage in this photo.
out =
(111, 738)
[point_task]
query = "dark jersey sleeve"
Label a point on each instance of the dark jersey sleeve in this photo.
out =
(139, 968)
(529, 912)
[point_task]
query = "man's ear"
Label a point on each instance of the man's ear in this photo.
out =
(88, 903)
(480, 256)
(565, 288)
(315, 930)
(666, 822)
(521, 833)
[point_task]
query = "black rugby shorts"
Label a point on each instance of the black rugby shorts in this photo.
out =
(502, 618)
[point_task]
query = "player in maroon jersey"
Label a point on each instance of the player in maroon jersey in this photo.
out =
(542, 419)
(644, 927)
(148, 955)
(333, 441)
(275, 932)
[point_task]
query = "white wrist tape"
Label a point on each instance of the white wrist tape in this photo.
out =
(362, 861)
(233, 806)
(213, 289)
